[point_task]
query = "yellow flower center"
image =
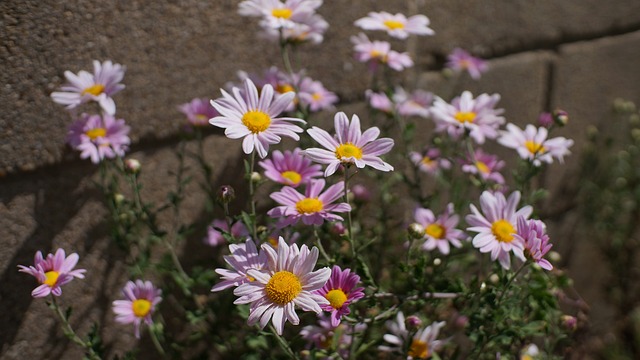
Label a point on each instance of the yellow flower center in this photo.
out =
(336, 298)
(419, 349)
(51, 277)
(256, 121)
(273, 241)
(94, 90)
(465, 116)
(96, 133)
(526, 357)
(436, 231)
(283, 13)
(348, 150)
(464, 64)
(427, 161)
(309, 205)
(141, 307)
(503, 230)
(284, 88)
(534, 147)
(482, 167)
(393, 24)
(293, 177)
(283, 287)
(316, 96)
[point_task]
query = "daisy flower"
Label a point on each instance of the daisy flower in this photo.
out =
(52, 272)
(277, 14)
(215, 237)
(254, 117)
(414, 104)
(287, 281)
(533, 235)
(314, 207)
(429, 161)
(85, 87)
(439, 232)
(478, 116)
(198, 111)
(349, 146)
(314, 95)
(379, 101)
(290, 168)
(496, 226)
(397, 25)
(341, 291)
(460, 60)
(422, 345)
(141, 300)
(243, 257)
(532, 144)
(379, 52)
(310, 29)
(485, 165)
(98, 137)
(324, 335)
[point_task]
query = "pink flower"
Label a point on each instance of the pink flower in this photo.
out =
(340, 290)
(85, 87)
(349, 146)
(460, 60)
(141, 300)
(215, 237)
(536, 241)
(243, 258)
(313, 208)
(198, 111)
(314, 95)
(397, 25)
(310, 29)
(422, 345)
(326, 336)
(379, 101)
(429, 161)
(254, 117)
(379, 52)
(278, 14)
(439, 232)
(52, 272)
(290, 168)
(414, 104)
(98, 137)
(485, 165)
(532, 144)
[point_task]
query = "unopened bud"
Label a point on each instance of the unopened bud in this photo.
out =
(569, 322)
(483, 286)
(413, 322)
(494, 278)
(338, 228)
(132, 166)
(461, 322)
(560, 117)
(256, 177)
(360, 193)
(554, 256)
(118, 198)
(437, 261)
(545, 120)
(226, 194)
(416, 231)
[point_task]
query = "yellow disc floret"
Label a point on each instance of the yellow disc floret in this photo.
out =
(141, 307)
(293, 176)
(94, 90)
(336, 298)
(284, 88)
(96, 133)
(534, 147)
(435, 231)
(348, 150)
(51, 277)
(256, 121)
(394, 24)
(503, 230)
(465, 116)
(309, 206)
(482, 167)
(419, 349)
(283, 287)
(283, 13)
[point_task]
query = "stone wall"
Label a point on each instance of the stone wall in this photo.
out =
(578, 55)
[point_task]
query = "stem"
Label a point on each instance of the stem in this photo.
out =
(68, 330)
(320, 247)
(349, 223)
(506, 288)
(156, 343)
(283, 344)
(254, 231)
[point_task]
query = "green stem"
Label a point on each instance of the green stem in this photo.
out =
(283, 344)
(252, 200)
(506, 288)
(349, 223)
(68, 330)
(320, 247)
(156, 343)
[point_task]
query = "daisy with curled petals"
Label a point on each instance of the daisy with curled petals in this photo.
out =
(243, 258)
(287, 281)
(496, 226)
(290, 168)
(254, 117)
(532, 144)
(314, 207)
(397, 25)
(534, 236)
(141, 300)
(52, 272)
(439, 232)
(349, 146)
(341, 291)
(98, 137)
(85, 87)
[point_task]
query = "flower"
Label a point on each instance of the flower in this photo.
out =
(379, 52)
(478, 116)
(254, 117)
(350, 146)
(314, 95)
(313, 207)
(277, 14)
(440, 231)
(52, 272)
(310, 29)
(536, 242)
(85, 87)
(324, 335)
(429, 161)
(243, 258)
(198, 111)
(545, 119)
(423, 343)
(98, 137)
(215, 237)
(340, 293)
(496, 226)
(290, 168)
(397, 25)
(379, 101)
(414, 104)
(142, 298)
(485, 165)
(530, 352)
(287, 281)
(532, 144)
(460, 60)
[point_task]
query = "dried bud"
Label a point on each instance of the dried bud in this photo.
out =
(560, 117)
(226, 194)
(416, 231)
(413, 322)
(132, 166)
(569, 322)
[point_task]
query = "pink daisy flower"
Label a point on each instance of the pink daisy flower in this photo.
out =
(324, 335)
(532, 144)
(85, 87)
(287, 281)
(254, 117)
(215, 237)
(314, 95)
(397, 25)
(478, 116)
(141, 300)
(429, 161)
(313, 208)
(290, 168)
(441, 231)
(460, 60)
(421, 346)
(310, 29)
(341, 291)
(198, 111)
(243, 258)
(379, 101)
(349, 146)
(485, 165)
(52, 272)
(278, 14)
(536, 241)
(98, 137)
(414, 104)
(496, 226)
(379, 52)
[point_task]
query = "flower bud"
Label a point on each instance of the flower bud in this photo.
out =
(461, 322)
(132, 166)
(118, 198)
(437, 261)
(545, 120)
(416, 231)
(338, 228)
(494, 278)
(560, 117)
(360, 193)
(413, 322)
(569, 322)
(226, 194)
(554, 256)
(255, 177)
